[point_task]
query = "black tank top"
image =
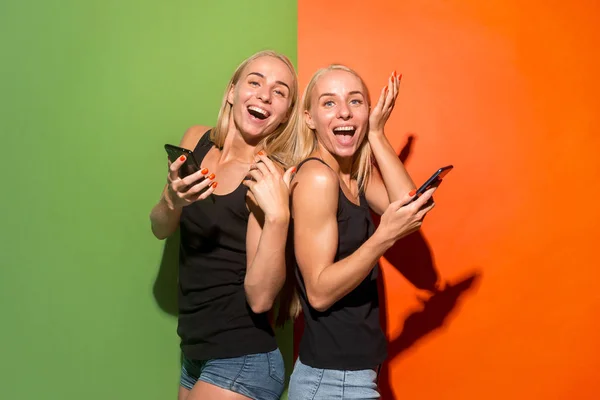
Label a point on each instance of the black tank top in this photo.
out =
(215, 320)
(347, 336)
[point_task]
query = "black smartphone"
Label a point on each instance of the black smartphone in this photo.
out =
(434, 180)
(189, 166)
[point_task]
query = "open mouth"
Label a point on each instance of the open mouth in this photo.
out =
(345, 134)
(345, 130)
(258, 112)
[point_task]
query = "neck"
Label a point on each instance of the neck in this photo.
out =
(235, 147)
(341, 165)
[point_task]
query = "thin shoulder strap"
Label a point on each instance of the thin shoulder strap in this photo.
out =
(202, 147)
(205, 139)
(308, 159)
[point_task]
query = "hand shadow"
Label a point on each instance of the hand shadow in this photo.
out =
(165, 284)
(412, 257)
(434, 315)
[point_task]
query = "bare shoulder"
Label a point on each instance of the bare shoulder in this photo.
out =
(192, 136)
(315, 179)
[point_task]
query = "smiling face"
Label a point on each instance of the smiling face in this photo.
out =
(339, 112)
(262, 97)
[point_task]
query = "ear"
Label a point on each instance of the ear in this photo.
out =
(230, 94)
(308, 119)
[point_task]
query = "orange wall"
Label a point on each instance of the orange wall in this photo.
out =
(507, 91)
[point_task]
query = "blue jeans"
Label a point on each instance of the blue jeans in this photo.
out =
(258, 376)
(308, 383)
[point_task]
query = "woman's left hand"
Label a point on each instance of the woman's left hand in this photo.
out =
(270, 187)
(383, 109)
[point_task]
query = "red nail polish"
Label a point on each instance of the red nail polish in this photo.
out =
(204, 171)
(182, 158)
(395, 73)
(211, 176)
(386, 88)
(293, 170)
(399, 76)
(412, 192)
(261, 153)
(214, 185)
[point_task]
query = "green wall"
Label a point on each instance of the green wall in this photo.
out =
(90, 91)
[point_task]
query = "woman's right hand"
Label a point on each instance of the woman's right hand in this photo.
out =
(270, 187)
(401, 218)
(182, 192)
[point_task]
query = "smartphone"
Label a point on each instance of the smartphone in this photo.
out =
(434, 180)
(189, 166)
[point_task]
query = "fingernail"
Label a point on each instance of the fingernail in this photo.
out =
(386, 88)
(395, 73)
(261, 153)
(211, 176)
(399, 76)
(412, 192)
(182, 158)
(214, 185)
(293, 169)
(204, 171)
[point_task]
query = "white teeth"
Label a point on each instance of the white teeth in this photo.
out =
(259, 110)
(344, 128)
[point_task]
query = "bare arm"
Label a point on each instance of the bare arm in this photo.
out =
(265, 250)
(164, 217)
(391, 181)
(316, 233)
(268, 201)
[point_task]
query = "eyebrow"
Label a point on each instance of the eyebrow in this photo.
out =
(262, 76)
(351, 93)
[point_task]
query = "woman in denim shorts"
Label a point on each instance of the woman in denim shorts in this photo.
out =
(336, 245)
(233, 236)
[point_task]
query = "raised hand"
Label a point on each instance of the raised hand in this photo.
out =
(383, 109)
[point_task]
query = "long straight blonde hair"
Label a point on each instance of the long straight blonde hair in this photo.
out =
(305, 144)
(278, 144)
(306, 139)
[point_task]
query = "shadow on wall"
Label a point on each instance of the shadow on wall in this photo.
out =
(436, 312)
(165, 284)
(413, 258)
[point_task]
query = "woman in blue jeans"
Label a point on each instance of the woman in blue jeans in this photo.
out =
(233, 236)
(336, 245)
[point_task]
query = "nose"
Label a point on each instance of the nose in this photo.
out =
(344, 112)
(264, 94)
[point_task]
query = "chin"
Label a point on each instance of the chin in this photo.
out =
(345, 152)
(253, 132)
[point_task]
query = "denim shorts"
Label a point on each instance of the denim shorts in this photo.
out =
(258, 376)
(308, 383)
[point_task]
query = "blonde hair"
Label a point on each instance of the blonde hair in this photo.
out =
(278, 144)
(305, 144)
(306, 140)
